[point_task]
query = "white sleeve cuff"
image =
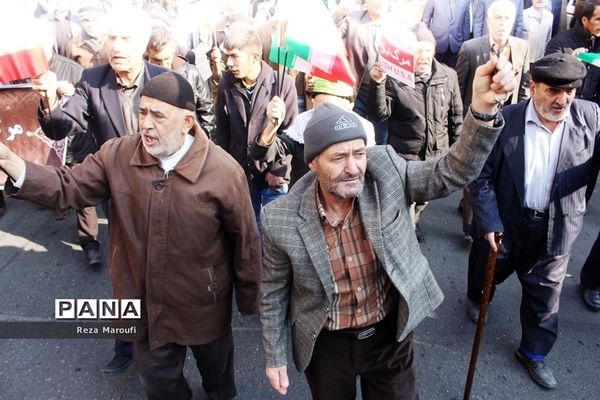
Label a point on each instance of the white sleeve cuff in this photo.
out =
(19, 182)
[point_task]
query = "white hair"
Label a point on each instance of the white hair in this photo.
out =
(133, 20)
(502, 5)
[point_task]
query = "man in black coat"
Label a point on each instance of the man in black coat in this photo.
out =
(424, 121)
(248, 103)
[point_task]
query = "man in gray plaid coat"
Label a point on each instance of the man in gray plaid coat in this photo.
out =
(342, 266)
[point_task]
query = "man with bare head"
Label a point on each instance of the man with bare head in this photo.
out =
(162, 51)
(248, 103)
(474, 52)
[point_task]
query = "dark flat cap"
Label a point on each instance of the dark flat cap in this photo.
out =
(559, 70)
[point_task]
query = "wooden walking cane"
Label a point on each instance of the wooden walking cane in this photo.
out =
(483, 308)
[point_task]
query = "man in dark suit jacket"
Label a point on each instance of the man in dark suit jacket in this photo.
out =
(532, 188)
(449, 23)
(248, 104)
(342, 265)
(480, 27)
(105, 103)
(475, 52)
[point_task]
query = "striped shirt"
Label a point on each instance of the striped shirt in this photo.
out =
(362, 290)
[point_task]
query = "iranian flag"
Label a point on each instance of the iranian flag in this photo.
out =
(21, 52)
(312, 42)
(590, 58)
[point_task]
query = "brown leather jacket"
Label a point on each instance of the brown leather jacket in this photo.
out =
(181, 244)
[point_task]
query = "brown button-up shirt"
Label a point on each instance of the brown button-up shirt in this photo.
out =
(130, 101)
(362, 290)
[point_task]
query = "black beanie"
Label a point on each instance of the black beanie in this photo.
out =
(329, 125)
(171, 88)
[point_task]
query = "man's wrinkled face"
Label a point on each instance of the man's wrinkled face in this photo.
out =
(162, 126)
(241, 62)
(164, 57)
(424, 52)
(93, 24)
(341, 167)
(551, 104)
(592, 25)
(125, 45)
(500, 24)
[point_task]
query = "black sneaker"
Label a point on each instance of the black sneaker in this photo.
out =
(92, 253)
(591, 298)
(117, 365)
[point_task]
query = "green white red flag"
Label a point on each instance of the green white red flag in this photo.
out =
(312, 42)
(590, 58)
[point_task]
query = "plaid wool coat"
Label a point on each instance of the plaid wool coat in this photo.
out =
(297, 283)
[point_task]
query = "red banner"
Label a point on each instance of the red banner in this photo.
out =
(396, 59)
(20, 129)
(23, 64)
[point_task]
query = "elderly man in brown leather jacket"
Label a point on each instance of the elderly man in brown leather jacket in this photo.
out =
(183, 236)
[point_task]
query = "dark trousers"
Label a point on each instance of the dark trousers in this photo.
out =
(87, 227)
(161, 370)
(448, 57)
(385, 366)
(466, 205)
(541, 276)
(123, 348)
(590, 273)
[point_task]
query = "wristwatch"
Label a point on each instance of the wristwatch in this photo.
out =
(484, 117)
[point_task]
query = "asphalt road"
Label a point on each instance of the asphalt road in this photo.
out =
(40, 262)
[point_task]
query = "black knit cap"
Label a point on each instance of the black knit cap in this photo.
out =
(329, 125)
(171, 88)
(559, 70)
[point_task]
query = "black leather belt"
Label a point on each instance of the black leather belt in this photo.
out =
(362, 333)
(536, 213)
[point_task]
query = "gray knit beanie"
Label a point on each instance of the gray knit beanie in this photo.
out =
(329, 125)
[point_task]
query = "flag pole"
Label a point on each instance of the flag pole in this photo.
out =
(46, 101)
(282, 28)
(284, 67)
(277, 82)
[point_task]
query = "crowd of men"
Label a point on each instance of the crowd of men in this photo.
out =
(223, 177)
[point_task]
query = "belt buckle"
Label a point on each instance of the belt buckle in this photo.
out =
(367, 333)
(539, 214)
